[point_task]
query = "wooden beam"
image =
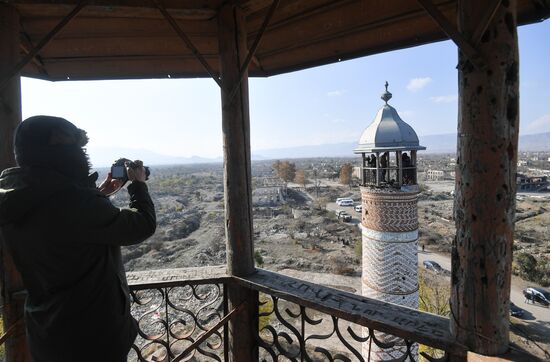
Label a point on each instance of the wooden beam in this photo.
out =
(32, 53)
(463, 44)
(252, 50)
(397, 320)
(10, 117)
(187, 41)
(488, 127)
(488, 16)
(142, 9)
(165, 278)
(243, 331)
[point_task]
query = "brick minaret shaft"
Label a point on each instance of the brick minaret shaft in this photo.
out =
(390, 261)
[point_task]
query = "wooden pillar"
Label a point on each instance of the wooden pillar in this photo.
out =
(488, 126)
(243, 329)
(10, 117)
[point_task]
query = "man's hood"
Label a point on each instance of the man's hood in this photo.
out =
(22, 190)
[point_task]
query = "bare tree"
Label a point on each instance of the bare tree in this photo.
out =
(287, 171)
(345, 174)
(276, 166)
(301, 178)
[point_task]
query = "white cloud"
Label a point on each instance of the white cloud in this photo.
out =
(445, 99)
(417, 84)
(336, 93)
(541, 124)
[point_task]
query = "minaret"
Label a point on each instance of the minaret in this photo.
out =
(389, 221)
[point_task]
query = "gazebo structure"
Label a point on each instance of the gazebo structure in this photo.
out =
(389, 217)
(228, 40)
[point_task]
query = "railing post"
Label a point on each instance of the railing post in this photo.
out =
(10, 117)
(243, 329)
(488, 127)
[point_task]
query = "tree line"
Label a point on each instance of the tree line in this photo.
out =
(288, 172)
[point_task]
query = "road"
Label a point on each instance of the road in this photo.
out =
(533, 311)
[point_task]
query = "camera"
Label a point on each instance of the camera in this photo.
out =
(118, 169)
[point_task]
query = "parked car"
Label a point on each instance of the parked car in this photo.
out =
(537, 295)
(433, 266)
(345, 202)
(358, 208)
(515, 311)
(342, 215)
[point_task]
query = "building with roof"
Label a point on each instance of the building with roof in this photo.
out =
(389, 220)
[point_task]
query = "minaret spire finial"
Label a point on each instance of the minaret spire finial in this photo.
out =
(387, 95)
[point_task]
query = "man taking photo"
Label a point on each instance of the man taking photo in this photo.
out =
(65, 237)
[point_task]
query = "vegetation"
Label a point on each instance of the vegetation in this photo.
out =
(530, 268)
(301, 178)
(345, 174)
(286, 171)
(433, 297)
(258, 258)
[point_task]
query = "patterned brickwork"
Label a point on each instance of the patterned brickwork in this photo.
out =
(391, 211)
(390, 268)
(390, 257)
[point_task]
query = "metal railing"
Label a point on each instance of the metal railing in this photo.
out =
(305, 334)
(184, 320)
(389, 176)
(181, 314)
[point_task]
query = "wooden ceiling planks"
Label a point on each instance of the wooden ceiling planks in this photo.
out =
(130, 39)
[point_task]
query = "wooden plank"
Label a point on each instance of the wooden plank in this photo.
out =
(488, 127)
(83, 27)
(242, 331)
(43, 42)
(457, 37)
(187, 13)
(177, 28)
(10, 117)
(123, 68)
(172, 277)
(116, 46)
(385, 317)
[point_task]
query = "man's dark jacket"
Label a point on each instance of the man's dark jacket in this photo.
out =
(65, 239)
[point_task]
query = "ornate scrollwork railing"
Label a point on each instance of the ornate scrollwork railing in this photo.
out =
(303, 334)
(172, 318)
(183, 318)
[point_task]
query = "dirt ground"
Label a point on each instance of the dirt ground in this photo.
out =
(302, 236)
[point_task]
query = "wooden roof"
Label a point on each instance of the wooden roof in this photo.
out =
(117, 39)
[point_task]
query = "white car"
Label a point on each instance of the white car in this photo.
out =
(345, 202)
(358, 208)
(340, 199)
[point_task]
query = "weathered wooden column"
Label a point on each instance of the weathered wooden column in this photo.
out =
(243, 329)
(488, 127)
(10, 117)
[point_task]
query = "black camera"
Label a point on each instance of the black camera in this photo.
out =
(118, 169)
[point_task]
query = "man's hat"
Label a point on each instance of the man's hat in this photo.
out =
(38, 135)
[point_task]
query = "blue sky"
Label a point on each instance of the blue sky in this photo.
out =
(328, 104)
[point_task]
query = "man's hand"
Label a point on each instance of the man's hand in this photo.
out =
(110, 185)
(136, 173)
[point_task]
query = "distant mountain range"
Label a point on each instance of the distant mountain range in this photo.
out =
(104, 156)
(443, 143)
